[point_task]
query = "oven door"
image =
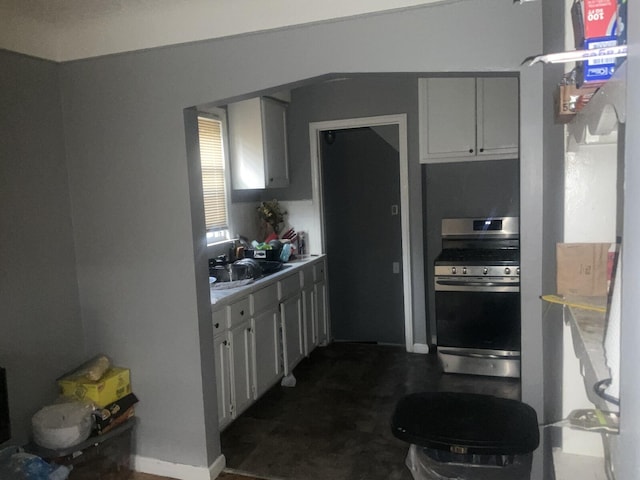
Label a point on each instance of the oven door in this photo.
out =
(478, 313)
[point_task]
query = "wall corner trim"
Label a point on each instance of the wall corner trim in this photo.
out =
(178, 470)
(217, 467)
(420, 348)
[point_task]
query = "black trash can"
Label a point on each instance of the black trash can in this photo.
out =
(466, 436)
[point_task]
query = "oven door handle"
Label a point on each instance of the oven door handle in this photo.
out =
(463, 283)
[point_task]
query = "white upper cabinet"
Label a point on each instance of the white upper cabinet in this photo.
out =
(498, 116)
(258, 144)
(447, 117)
(466, 118)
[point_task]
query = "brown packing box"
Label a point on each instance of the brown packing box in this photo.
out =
(114, 384)
(569, 100)
(582, 269)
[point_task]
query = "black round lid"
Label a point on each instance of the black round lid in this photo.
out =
(466, 423)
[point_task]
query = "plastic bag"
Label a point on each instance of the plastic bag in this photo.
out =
(17, 465)
(424, 467)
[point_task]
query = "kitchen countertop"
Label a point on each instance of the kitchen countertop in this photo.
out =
(228, 294)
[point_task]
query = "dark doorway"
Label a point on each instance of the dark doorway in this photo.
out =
(361, 196)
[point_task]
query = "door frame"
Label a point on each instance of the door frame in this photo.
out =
(318, 207)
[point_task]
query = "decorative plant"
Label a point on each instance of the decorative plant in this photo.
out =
(271, 213)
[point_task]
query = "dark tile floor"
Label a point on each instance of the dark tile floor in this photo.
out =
(335, 424)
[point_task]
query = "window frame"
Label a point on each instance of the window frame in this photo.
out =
(219, 115)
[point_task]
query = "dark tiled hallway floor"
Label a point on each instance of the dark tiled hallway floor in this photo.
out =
(335, 423)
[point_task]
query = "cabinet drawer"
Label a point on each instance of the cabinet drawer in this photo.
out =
(318, 271)
(238, 311)
(289, 286)
(219, 318)
(307, 276)
(264, 298)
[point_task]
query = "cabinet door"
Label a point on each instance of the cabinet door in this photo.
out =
(292, 332)
(246, 152)
(308, 310)
(268, 367)
(274, 121)
(309, 320)
(223, 379)
(498, 116)
(241, 338)
(322, 320)
(447, 118)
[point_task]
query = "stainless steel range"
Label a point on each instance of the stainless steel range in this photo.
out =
(477, 296)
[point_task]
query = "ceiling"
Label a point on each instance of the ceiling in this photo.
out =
(63, 30)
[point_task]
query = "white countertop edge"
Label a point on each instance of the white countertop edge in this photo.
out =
(223, 297)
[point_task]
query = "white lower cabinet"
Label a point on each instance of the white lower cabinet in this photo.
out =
(263, 335)
(320, 304)
(266, 327)
(320, 307)
(223, 378)
(308, 312)
(242, 364)
(292, 332)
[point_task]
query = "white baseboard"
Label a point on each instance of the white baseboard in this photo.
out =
(217, 467)
(178, 470)
(420, 348)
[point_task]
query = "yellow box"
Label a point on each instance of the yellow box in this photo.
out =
(114, 384)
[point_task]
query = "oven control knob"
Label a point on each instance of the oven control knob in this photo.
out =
(507, 271)
(485, 270)
(453, 270)
(464, 270)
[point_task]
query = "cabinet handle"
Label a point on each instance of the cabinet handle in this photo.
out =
(241, 312)
(225, 343)
(471, 150)
(249, 329)
(217, 325)
(481, 150)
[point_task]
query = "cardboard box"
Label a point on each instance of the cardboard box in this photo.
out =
(114, 385)
(621, 30)
(595, 27)
(115, 414)
(569, 100)
(582, 269)
(594, 19)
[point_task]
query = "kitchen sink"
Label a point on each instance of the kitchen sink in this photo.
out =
(240, 271)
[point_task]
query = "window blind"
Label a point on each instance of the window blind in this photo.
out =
(213, 178)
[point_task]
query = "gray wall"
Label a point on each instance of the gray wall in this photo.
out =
(354, 97)
(131, 187)
(469, 189)
(553, 202)
(41, 333)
